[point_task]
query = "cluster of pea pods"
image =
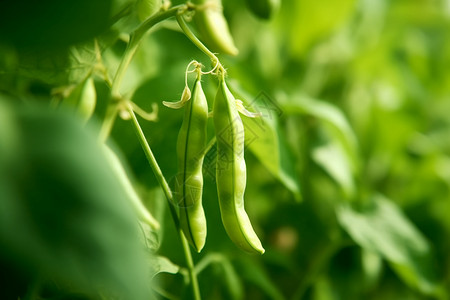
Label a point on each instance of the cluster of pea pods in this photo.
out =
(230, 167)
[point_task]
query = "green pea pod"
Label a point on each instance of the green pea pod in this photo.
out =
(213, 26)
(231, 174)
(264, 9)
(84, 98)
(189, 181)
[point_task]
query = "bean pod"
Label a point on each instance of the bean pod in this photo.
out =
(213, 26)
(83, 98)
(231, 174)
(189, 181)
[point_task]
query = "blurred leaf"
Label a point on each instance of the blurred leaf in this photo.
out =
(252, 272)
(67, 208)
(333, 159)
(372, 265)
(119, 169)
(382, 228)
(232, 279)
(265, 140)
(221, 264)
(313, 20)
(162, 264)
(332, 116)
(322, 290)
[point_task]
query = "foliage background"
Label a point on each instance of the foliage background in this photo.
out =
(348, 169)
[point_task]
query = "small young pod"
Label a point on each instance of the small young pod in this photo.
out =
(189, 181)
(83, 98)
(231, 171)
(213, 26)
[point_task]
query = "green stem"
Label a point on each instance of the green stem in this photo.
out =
(209, 259)
(169, 197)
(108, 121)
(154, 165)
(195, 40)
(135, 40)
(190, 266)
(209, 146)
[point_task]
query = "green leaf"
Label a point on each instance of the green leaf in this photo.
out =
(232, 279)
(312, 21)
(382, 228)
(64, 215)
(334, 160)
(331, 116)
(264, 138)
(254, 273)
(372, 265)
(146, 8)
(135, 200)
(340, 155)
(162, 264)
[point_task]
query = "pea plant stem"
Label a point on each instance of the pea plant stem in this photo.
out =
(169, 197)
(113, 109)
(135, 40)
(195, 40)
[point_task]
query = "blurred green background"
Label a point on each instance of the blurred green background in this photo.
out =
(348, 168)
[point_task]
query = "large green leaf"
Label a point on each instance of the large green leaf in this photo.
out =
(382, 228)
(64, 215)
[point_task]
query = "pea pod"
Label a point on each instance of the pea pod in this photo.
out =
(213, 26)
(84, 98)
(189, 181)
(231, 174)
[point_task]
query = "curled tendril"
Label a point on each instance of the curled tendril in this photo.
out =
(216, 67)
(186, 95)
(149, 116)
